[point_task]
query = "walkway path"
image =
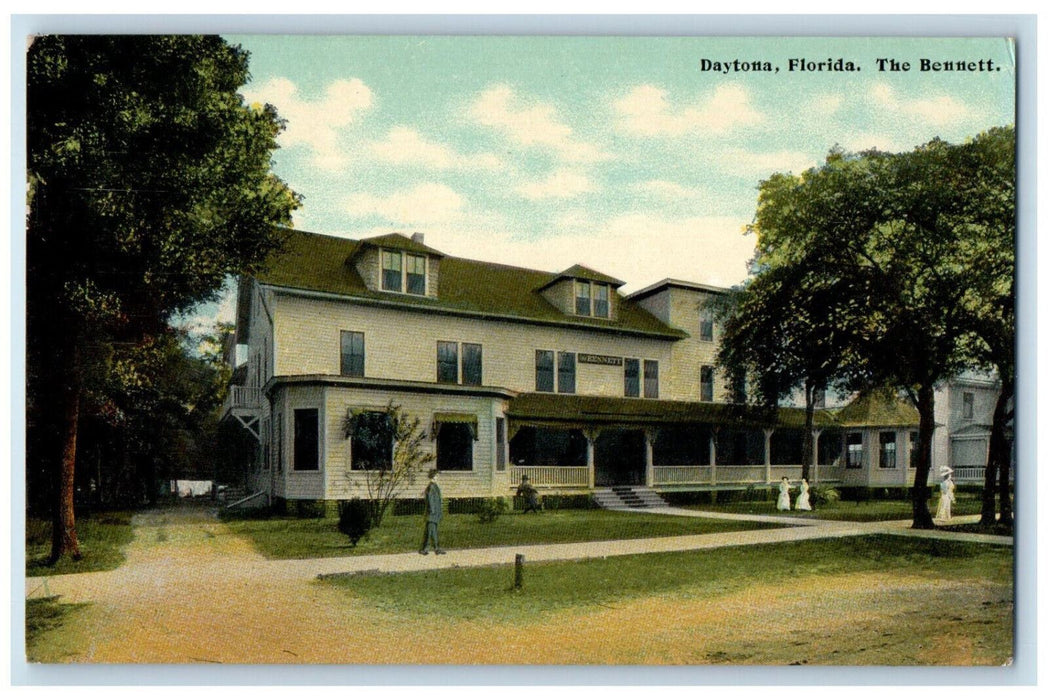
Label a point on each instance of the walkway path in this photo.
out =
(145, 567)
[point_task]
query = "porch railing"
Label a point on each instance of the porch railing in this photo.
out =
(245, 397)
(737, 474)
(968, 475)
(551, 476)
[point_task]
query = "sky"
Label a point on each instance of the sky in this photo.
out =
(619, 153)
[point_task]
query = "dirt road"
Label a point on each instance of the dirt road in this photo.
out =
(192, 592)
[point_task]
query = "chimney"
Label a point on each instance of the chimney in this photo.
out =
(419, 238)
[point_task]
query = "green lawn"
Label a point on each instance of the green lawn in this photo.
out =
(863, 511)
(102, 537)
(43, 614)
(295, 538)
(487, 594)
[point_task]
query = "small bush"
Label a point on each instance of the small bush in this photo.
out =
(354, 519)
(824, 496)
(491, 508)
(582, 501)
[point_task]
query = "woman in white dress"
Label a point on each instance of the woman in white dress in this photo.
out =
(803, 502)
(946, 497)
(784, 494)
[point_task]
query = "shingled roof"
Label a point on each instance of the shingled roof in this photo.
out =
(319, 263)
(881, 409)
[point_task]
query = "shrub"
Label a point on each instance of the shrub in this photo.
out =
(354, 519)
(491, 508)
(824, 495)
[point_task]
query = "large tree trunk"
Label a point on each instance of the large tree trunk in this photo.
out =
(807, 449)
(922, 518)
(63, 532)
(1000, 449)
(997, 459)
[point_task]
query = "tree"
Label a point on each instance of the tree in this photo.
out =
(392, 444)
(894, 232)
(785, 329)
(149, 183)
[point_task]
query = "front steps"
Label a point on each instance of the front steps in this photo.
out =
(627, 497)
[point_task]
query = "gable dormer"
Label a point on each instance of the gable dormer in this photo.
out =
(397, 264)
(580, 291)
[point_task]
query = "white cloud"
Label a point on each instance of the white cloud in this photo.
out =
(825, 105)
(639, 247)
(423, 205)
(405, 146)
(672, 191)
(756, 164)
(315, 124)
(937, 110)
(647, 112)
(562, 184)
(531, 124)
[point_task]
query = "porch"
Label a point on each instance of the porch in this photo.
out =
(679, 477)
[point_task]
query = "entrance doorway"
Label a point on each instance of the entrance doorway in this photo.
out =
(618, 457)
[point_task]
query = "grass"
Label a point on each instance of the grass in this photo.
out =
(43, 614)
(293, 538)
(549, 588)
(858, 511)
(102, 537)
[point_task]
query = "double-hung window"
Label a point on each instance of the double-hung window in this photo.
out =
(416, 274)
(706, 326)
(600, 300)
(651, 379)
(447, 362)
(352, 354)
(372, 441)
(582, 298)
(544, 376)
(472, 364)
(631, 377)
(854, 455)
(392, 271)
(565, 372)
(307, 440)
(706, 383)
(888, 450)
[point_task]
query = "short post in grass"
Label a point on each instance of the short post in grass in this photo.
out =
(518, 573)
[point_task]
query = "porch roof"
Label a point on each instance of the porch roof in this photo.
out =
(580, 411)
(879, 409)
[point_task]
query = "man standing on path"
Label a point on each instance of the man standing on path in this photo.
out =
(434, 511)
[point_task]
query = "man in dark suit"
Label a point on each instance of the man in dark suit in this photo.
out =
(434, 512)
(530, 495)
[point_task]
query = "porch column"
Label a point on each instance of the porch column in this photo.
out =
(767, 454)
(650, 434)
(815, 433)
(591, 470)
(713, 458)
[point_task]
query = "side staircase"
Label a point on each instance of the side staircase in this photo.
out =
(627, 497)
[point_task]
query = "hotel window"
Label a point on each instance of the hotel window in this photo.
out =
(854, 450)
(447, 362)
(888, 450)
(631, 375)
(968, 407)
(307, 440)
(566, 372)
(600, 300)
(472, 364)
(651, 379)
(391, 271)
(543, 370)
(582, 298)
(455, 447)
(706, 326)
(500, 444)
(914, 448)
(372, 443)
(352, 354)
(416, 274)
(706, 383)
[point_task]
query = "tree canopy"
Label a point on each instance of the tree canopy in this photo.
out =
(886, 270)
(149, 183)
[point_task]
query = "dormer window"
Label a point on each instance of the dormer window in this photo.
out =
(391, 271)
(403, 272)
(591, 299)
(582, 298)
